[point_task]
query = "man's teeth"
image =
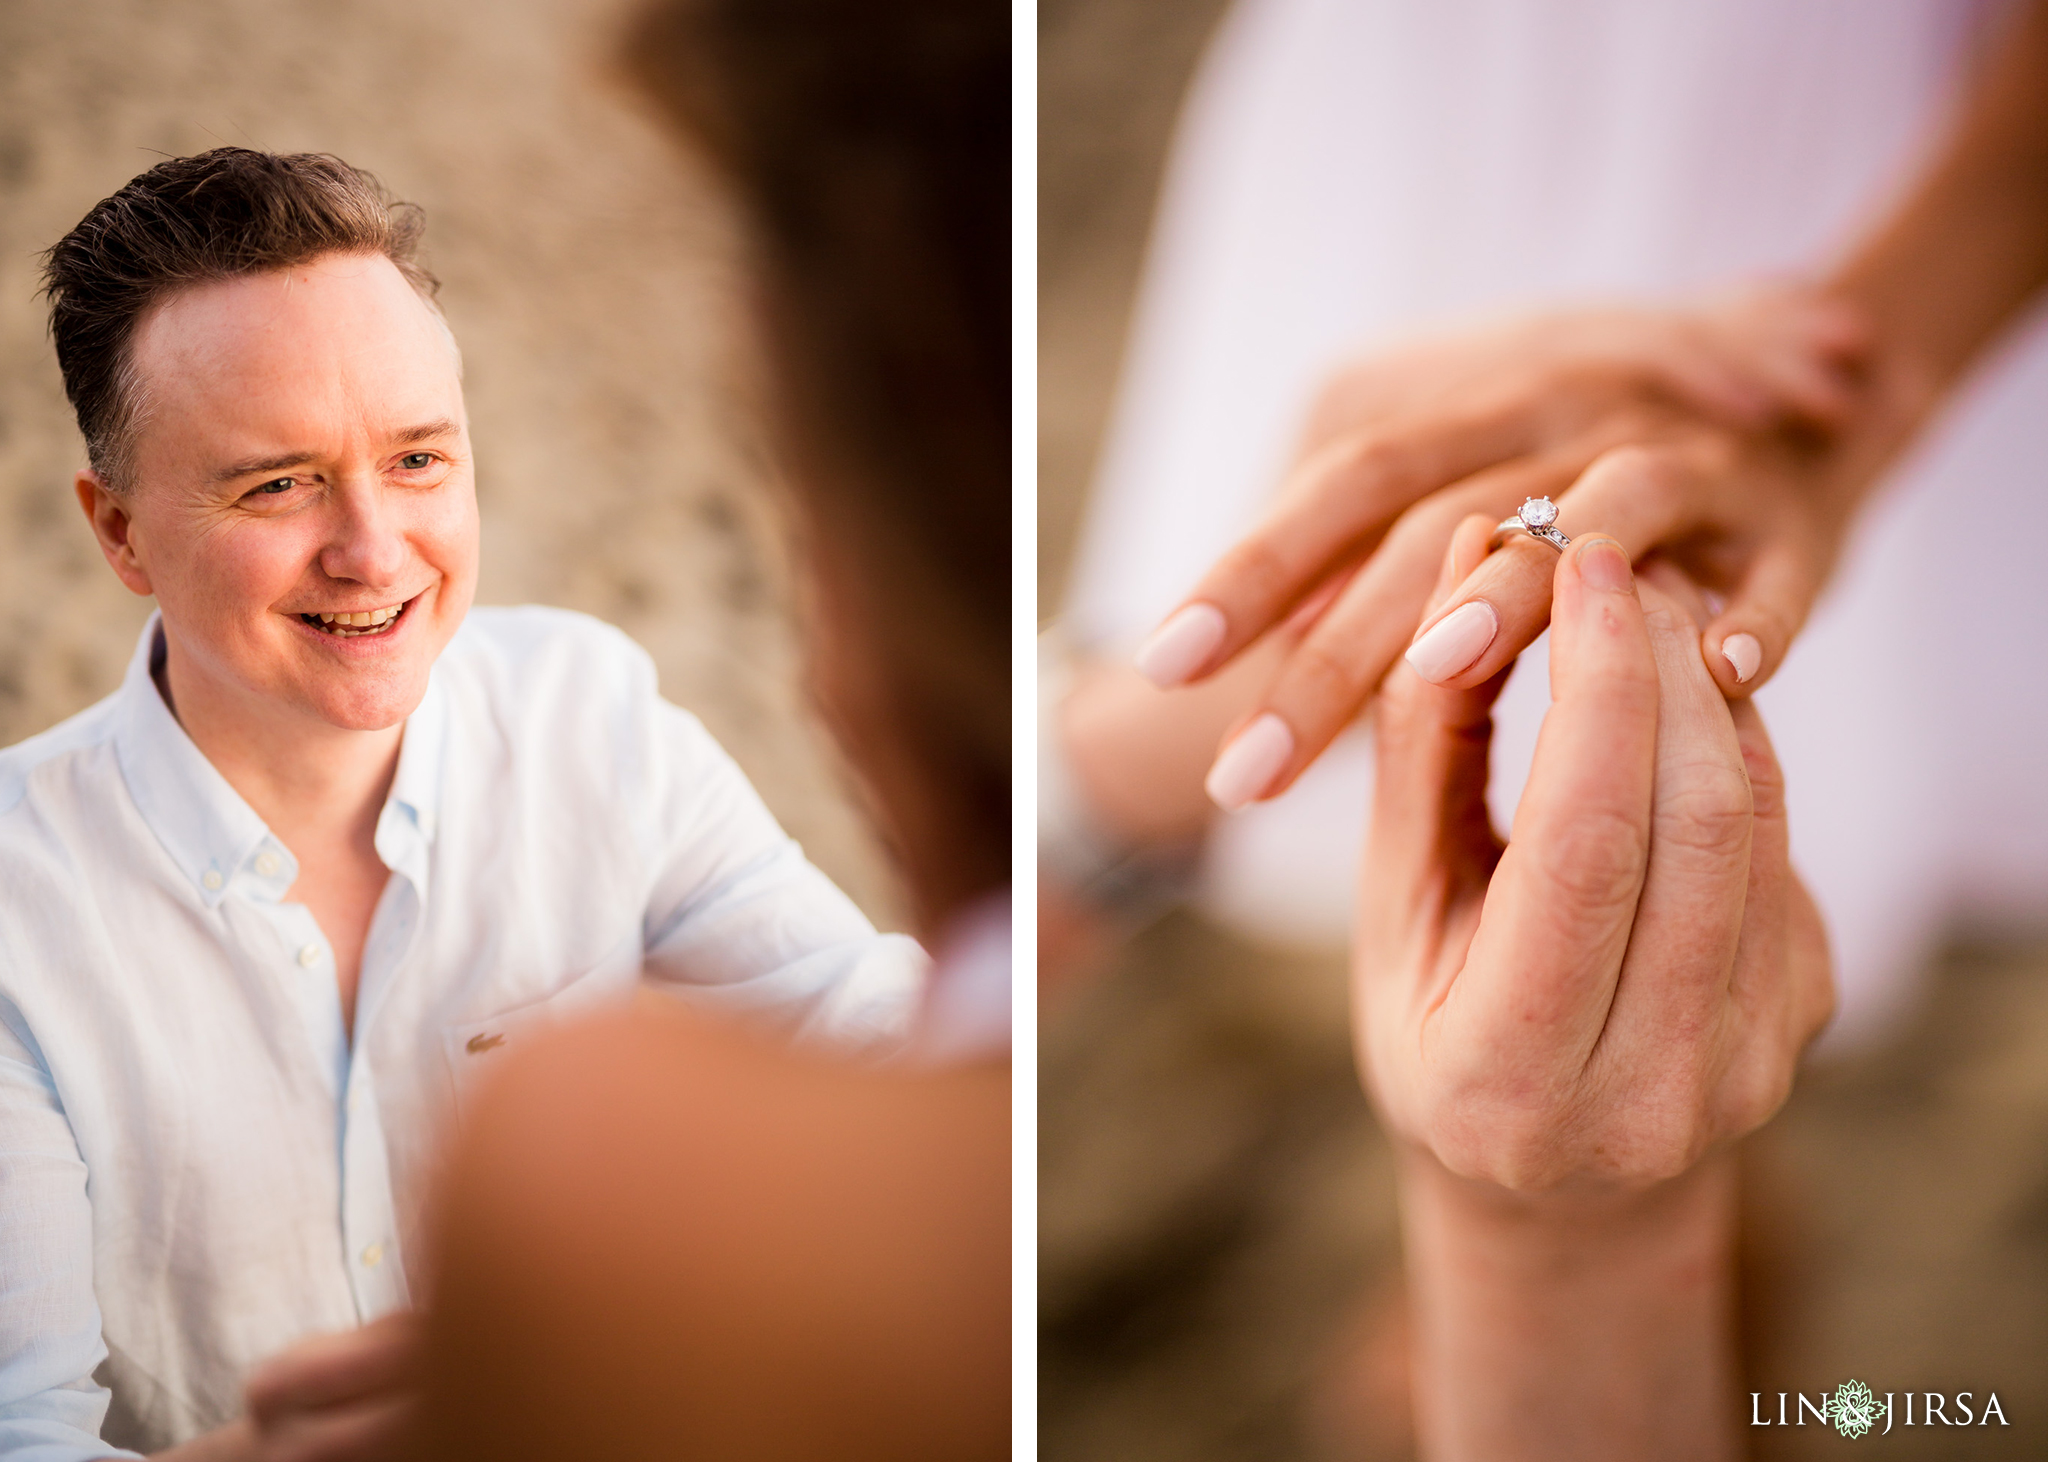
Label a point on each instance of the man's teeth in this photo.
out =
(357, 621)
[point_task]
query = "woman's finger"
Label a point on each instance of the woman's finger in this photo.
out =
(1644, 496)
(1326, 679)
(1801, 347)
(1336, 503)
(1533, 996)
(1683, 358)
(1748, 639)
(1430, 832)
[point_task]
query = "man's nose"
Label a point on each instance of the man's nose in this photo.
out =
(366, 542)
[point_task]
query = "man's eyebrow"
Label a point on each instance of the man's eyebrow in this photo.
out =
(403, 437)
(426, 431)
(262, 464)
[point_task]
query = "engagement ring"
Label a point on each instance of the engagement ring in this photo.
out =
(1537, 518)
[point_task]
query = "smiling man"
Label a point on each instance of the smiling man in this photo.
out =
(337, 841)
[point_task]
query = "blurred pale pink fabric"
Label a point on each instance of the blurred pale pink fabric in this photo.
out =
(1351, 171)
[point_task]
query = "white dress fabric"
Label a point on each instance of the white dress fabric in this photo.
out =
(1352, 171)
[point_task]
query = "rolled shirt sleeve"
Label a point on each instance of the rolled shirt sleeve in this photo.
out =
(739, 919)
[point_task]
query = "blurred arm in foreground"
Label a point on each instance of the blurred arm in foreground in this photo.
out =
(659, 1238)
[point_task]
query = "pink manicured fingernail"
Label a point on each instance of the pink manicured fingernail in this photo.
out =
(1743, 654)
(1182, 645)
(1454, 641)
(1249, 764)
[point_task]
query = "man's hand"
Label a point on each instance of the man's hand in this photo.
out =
(1630, 981)
(1563, 1034)
(346, 1397)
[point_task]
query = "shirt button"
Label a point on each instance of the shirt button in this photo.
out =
(266, 864)
(212, 880)
(373, 1256)
(309, 955)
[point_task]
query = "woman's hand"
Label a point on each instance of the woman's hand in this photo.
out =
(1405, 446)
(1630, 981)
(1749, 360)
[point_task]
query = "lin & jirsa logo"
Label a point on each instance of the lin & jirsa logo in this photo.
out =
(1854, 1410)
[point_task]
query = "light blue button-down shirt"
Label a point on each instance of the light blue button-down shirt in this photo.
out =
(198, 1164)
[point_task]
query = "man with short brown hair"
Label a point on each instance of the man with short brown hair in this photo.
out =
(338, 841)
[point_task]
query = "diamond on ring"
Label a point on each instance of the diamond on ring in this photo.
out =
(1536, 517)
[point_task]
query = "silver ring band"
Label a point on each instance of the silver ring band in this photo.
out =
(1537, 518)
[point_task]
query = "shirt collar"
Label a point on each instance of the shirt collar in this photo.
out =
(203, 823)
(405, 828)
(416, 787)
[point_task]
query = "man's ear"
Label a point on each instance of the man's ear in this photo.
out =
(112, 524)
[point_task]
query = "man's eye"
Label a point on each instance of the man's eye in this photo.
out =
(282, 484)
(414, 461)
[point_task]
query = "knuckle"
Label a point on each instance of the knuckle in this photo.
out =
(1709, 813)
(1257, 568)
(1515, 1132)
(1753, 1097)
(1766, 779)
(1407, 722)
(1428, 523)
(1703, 454)
(1637, 466)
(1595, 863)
(1370, 462)
(1760, 1082)
(1656, 1138)
(1436, 517)
(1522, 1157)
(1324, 674)
(1666, 618)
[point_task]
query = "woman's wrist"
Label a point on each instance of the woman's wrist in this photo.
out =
(1967, 247)
(1572, 1323)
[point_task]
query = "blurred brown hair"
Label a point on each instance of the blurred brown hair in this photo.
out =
(194, 220)
(868, 144)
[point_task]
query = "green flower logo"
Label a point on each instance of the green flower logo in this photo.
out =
(1853, 1409)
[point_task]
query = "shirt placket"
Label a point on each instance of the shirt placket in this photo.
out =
(368, 1218)
(369, 1208)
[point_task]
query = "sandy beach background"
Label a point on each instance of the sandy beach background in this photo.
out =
(587, 269)
(1219, 1261)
